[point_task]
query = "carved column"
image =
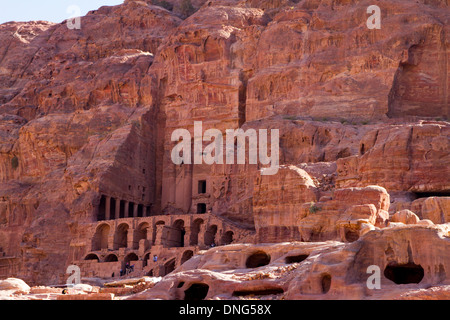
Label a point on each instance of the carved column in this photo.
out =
(111, 239)
(187, 236)
(117, 213)
(150, 235)
(135, 210)
(108, 208)
(127, 213)
(130, 238)
(159, 234)
(201, 235)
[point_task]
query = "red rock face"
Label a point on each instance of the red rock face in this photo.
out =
(362, 116)
(408, 157)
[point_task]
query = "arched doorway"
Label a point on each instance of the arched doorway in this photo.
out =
(195, 230)
(140, 234)
(145, 260)
(257, 259)
(177, 232)
(155, 229)
(100, 239)
(92, 256)
(196, 292)
(169, 267)
(121, 236)
(131, 257)
(227, 238)
(111, 258)
(129, 262)
(210, 236)
(186, 256)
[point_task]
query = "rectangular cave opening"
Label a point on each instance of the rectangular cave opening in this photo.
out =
(122, 209)
(201, 186)
(260, 292)
(101, 213)
(113, 209)
(130, 209)
(201, 208)
(140, 212)
(431, 194)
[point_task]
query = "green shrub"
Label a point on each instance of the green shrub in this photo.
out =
(313, 208)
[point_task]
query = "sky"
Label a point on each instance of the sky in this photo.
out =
(49, 10)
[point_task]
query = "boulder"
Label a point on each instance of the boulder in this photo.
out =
(405, 216)
(13, 284)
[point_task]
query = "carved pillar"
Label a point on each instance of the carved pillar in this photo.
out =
(130, 238)
(142, 246)
(201, 235)
(135, 210)
(108, 208)
(159, 234)
(117, 213)
(218, 239)
(215, 239)
(111, 239)
(187, 236)
(127, 204)
(150, 235)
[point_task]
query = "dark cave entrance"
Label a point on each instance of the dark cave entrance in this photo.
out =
(351, 235)
(257, 259)
(326, 283)
(404, 273)
(169, 266)
(201, 208)
(196, 292)
(261, 292)
(432, 194)
(296, 259)
(101, 214)
(202, 187)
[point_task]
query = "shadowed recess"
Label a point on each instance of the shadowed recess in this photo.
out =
(296, 259)
(257, 259)
(196, 292)
(261, 292)
(404, 273)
